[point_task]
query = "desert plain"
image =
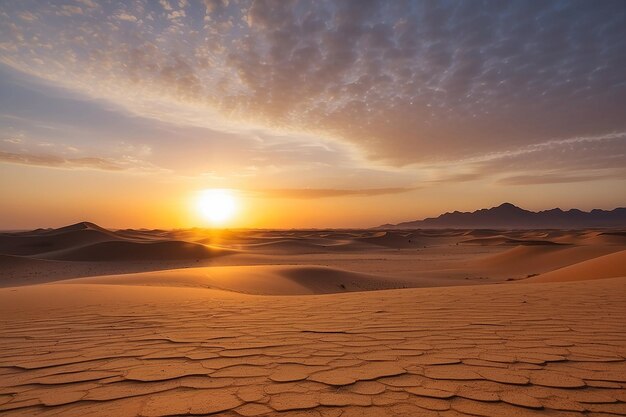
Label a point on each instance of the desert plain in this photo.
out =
(97, 322)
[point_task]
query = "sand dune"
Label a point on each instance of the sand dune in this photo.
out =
(261, 279)
(391, 240)
(481, 232)
(10, 263)
(69, 228)
(136, 251)
(36, 244)
(88, 242)
(605, 238)
(538, 259)
(503, 240)
(415, 258)
(288, 246)
(607, 266)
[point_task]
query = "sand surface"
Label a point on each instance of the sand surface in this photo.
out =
(553, 349)
(312, 323)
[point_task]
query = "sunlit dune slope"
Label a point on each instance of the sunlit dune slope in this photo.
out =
(607, 266)
(261, 279)
(538, 259)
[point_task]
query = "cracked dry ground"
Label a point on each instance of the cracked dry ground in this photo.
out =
(553, 349)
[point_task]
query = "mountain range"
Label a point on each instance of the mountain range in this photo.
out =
(509, 216)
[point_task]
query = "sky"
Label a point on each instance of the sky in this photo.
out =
(315, 113)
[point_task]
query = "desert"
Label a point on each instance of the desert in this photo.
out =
(312, 208)
(313, 322)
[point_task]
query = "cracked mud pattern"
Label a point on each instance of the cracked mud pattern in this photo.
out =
(501, 350)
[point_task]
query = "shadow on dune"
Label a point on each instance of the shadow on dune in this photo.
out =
(137, 251)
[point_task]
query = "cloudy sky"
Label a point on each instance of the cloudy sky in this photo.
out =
(344, 113)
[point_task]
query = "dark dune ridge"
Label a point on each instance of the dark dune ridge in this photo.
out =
(136, 251)
(89, 242)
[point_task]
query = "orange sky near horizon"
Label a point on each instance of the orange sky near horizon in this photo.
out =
(124, 200)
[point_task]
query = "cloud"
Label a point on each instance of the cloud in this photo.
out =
(88, 3)
(125, 16)
(26, 15)
(385, 77)
(13, 141)
(459, 90)
(571, 160)
(314, 193)
(69, 10)
(166, 5)
(176, 14)
(59, 162)
(555, 178)
(577, 159)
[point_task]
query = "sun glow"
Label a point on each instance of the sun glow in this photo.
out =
(217, 205)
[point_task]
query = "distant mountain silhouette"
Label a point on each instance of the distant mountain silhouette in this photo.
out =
(509, 216)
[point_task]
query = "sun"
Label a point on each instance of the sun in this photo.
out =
(217, 205)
